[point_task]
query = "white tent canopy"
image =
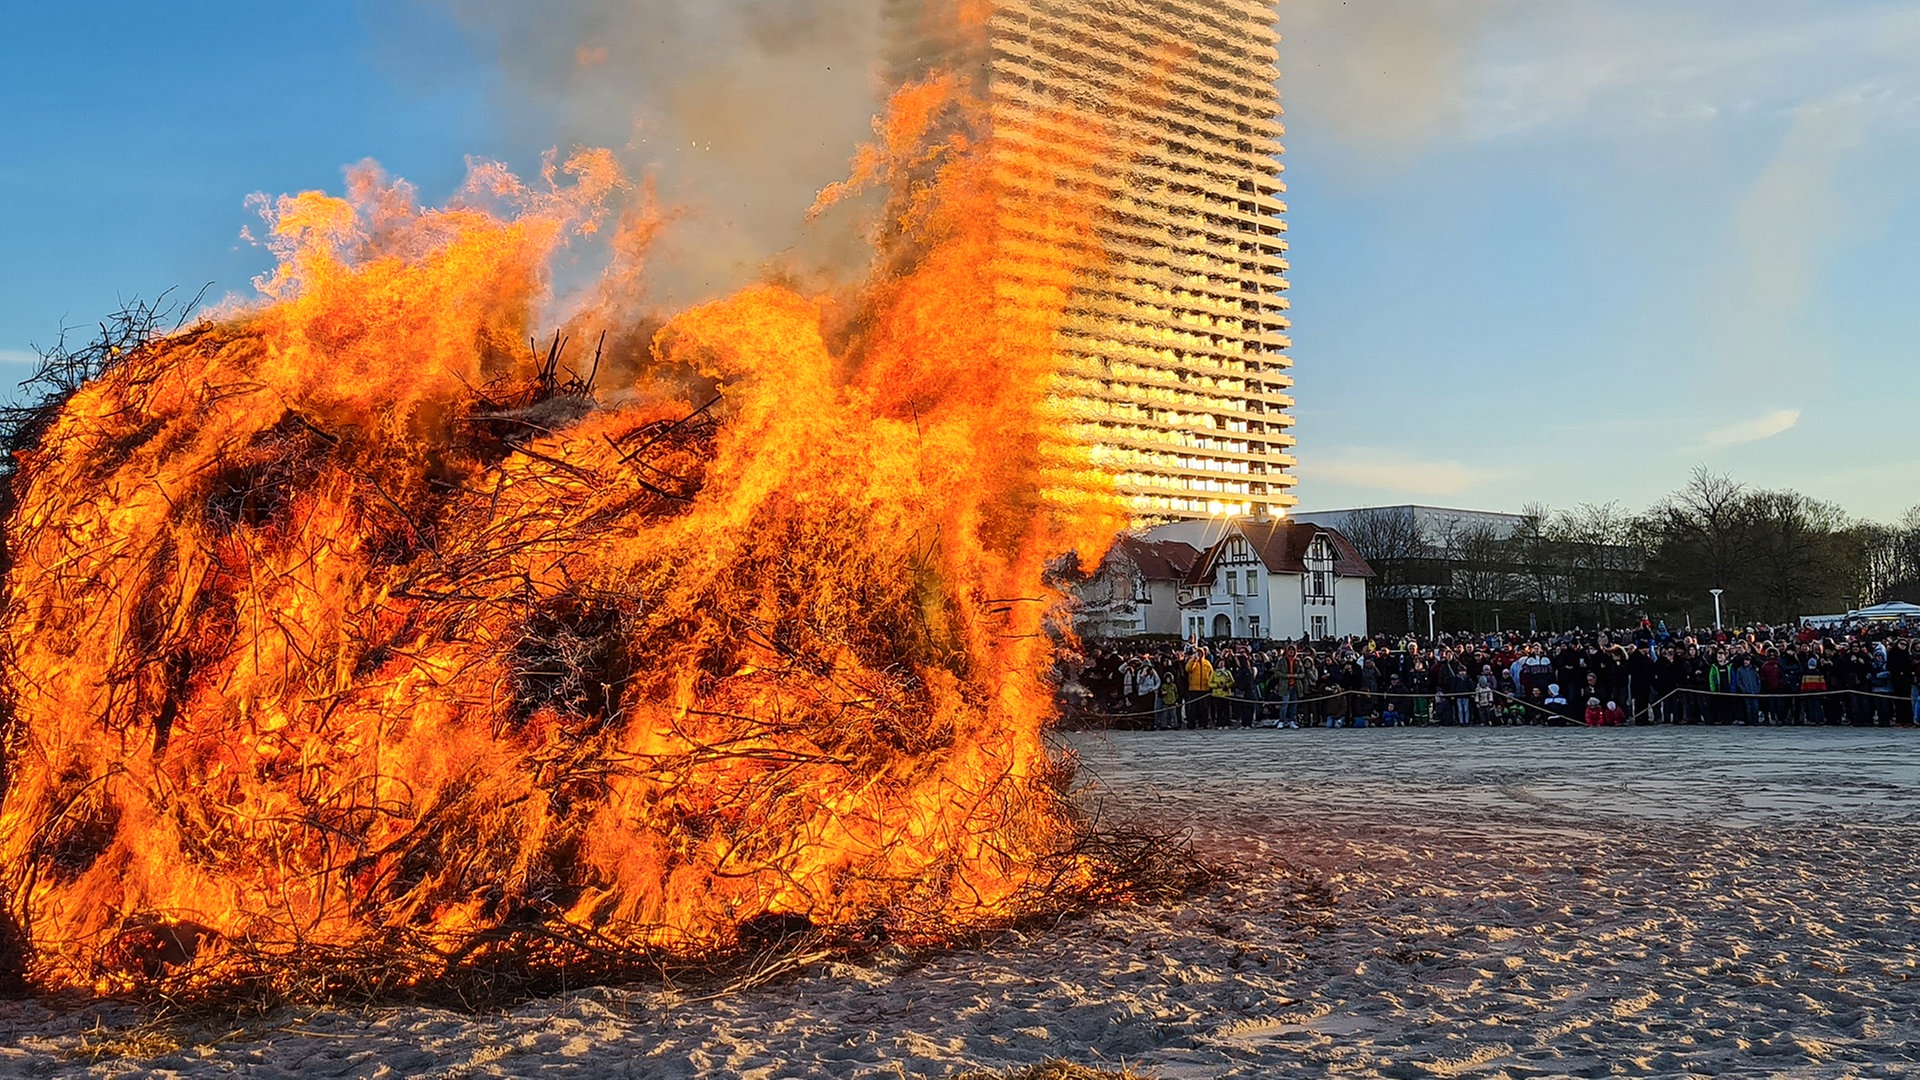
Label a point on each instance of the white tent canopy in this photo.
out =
(1877, 613)
(1880, 612)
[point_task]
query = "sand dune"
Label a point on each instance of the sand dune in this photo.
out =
(1400, 903)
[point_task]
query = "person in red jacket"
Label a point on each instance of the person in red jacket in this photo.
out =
(1596, 716)
(1772, 683)
(1616, 716)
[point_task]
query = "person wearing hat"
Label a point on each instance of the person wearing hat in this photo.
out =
(1483, 690)
(1556, 703)
(1813, 683)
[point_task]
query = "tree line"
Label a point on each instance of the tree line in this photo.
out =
(1775, 554)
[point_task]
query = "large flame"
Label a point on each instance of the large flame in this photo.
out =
(345, 629)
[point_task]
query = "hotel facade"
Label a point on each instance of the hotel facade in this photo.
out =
(1174, 363)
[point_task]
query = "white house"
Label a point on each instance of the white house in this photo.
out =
(1270, 578)
(1136, 590)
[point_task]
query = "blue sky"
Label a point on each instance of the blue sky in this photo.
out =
(1565, 252)
(1551, 251)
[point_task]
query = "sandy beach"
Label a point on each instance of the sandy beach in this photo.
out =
(1397, 903)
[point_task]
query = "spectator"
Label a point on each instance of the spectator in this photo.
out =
(1746, 683)
(1167, 716)
(1221, 690)
(1556, 705)
(1906, 680)
(1813, 687)
(1246, 689)
(1760, 675)
(1146, 699)
(1199, 682)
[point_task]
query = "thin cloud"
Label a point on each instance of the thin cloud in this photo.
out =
(1759, 429)
(1684, 65)
(1410, 476)
(1400, 79)
(18, 358)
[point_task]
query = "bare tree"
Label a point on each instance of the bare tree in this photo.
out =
(1884, 564)
(1898, 571)
(1799, 554)
(1385, 534)
(1700, 535)
(1482, 573)
(1533, 551)
(1601, 558)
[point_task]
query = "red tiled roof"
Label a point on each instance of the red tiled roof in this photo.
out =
(1282, 547)
(1159, 560)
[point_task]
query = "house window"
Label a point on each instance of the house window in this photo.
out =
(1253, 585)
(1319, 625)
(1253, 626)
(1319, 578)
(1233, 583)
(1142, 591)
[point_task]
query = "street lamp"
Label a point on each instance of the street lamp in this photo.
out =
(1430, 634)
(1716, 606)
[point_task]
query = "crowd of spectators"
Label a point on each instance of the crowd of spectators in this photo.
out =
(1862, 675)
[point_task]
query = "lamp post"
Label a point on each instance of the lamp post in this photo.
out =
(1430, 634)
(1716, 606)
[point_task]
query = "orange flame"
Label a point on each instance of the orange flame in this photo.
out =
(342, 626)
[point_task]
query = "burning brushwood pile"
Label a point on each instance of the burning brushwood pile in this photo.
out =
(352, 645)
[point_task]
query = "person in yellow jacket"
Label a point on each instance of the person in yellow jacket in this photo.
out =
(1167, 714)
(1222, 690)
(1199, 685)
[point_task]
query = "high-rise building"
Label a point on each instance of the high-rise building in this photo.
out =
(1175, 366)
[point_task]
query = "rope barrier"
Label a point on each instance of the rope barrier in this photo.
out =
(1182, 706)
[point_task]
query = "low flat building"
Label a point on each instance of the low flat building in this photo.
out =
(1456, 569)
(1433, 524)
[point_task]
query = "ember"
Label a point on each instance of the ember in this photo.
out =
(351, 646)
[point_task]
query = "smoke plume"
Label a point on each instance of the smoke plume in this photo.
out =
(1387, 79)
(743, 110)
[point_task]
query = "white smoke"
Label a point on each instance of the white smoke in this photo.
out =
(743, 109)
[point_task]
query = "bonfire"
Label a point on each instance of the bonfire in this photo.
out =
(355, 643)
